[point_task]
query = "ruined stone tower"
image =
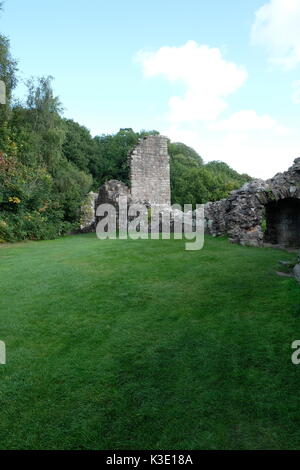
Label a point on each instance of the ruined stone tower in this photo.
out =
(149, 165)
(150, 171)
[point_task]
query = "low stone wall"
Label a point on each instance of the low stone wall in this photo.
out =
(110, 191)
(242, 215)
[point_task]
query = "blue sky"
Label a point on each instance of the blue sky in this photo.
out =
(221, 76)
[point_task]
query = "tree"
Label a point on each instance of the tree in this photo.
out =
(79, 146)
(8, 70)
(112, 155)
(190, 155)
(41, 192)
(193, 182)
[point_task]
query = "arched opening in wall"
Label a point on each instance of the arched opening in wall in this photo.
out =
(283, 222)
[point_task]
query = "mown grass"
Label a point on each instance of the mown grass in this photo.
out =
(123, 344)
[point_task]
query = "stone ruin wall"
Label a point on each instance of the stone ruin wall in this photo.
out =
(149, 165)
(87, 218)
(241, 216)
(150, 171)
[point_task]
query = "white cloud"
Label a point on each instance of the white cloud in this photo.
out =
(248, 120)
(249, 142)
(296, 93)
(209, 79)
(260, 155)
(277, 28)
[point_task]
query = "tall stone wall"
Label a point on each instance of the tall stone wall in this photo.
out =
(150, 171)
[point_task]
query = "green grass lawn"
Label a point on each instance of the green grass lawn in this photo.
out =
(123, 344)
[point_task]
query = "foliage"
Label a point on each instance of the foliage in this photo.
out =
(8, 69)
(40, 190)
(229, 175)
(193, 182)
(188, 155)
(112, 155)
(113, 152)
(79, 147)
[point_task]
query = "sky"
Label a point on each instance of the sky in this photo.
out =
(222, 76)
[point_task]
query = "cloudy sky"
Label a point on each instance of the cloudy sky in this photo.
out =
(222, 76)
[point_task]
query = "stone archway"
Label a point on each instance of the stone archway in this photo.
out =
(283, 222)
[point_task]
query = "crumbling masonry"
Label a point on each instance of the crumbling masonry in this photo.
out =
(260, 212)
(149, 176)
(149, 164)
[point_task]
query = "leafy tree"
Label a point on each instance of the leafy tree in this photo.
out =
(112, 155)
(193, 182)
(113, 152)
(231, 176)
(41, 192)
(79, 147)
(8, 70)
(44, 121)
(190, 155)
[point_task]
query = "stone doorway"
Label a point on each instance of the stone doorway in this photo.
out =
(283, 222)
